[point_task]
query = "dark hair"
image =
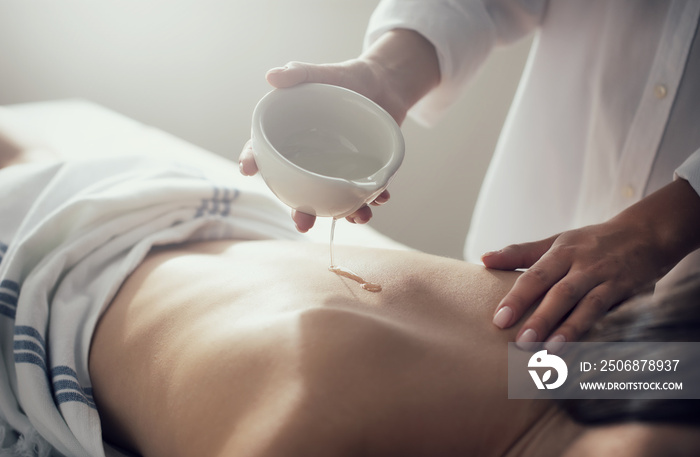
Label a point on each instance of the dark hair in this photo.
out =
(672, 315)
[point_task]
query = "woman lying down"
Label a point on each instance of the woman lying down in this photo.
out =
(146, 309)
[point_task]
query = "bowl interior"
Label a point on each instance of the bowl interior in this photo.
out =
(329, 131)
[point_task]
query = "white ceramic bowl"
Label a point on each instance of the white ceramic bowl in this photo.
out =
(325, 150)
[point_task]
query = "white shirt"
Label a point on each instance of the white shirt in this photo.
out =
(584, 138)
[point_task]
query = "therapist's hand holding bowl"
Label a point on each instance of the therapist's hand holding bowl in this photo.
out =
(325, 150)
(373, 75)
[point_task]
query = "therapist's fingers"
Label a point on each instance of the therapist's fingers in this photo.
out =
(381, 199)
(530, 286)
(300, 72)
(364, 214)
(361, 216)
(573, 290)
(528, 289)
(597, 302)
(303, 221)
(246, 161)
(516, 256)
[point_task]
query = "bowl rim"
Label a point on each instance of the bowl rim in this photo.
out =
(258, 131)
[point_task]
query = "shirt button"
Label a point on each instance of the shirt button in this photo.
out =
(660, 91)
(628, 191)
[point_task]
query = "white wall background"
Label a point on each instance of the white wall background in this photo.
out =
(195, 69)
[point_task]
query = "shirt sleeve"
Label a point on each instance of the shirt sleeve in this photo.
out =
(463, 32)
(690, 171)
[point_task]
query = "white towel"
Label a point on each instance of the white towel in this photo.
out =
(70, 233)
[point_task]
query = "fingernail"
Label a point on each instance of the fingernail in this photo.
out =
(528, 337)
(555, 343)
(490, 253)
(277, 69)
(380, 200)
(503, 317)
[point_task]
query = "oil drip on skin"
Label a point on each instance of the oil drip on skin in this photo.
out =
(341, 271)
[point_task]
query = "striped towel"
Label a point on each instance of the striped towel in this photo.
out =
(70, 233)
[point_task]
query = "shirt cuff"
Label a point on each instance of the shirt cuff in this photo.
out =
(690, 171)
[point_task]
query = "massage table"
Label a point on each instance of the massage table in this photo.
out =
(82, 129)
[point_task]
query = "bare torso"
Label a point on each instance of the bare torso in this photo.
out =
(256, 349)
